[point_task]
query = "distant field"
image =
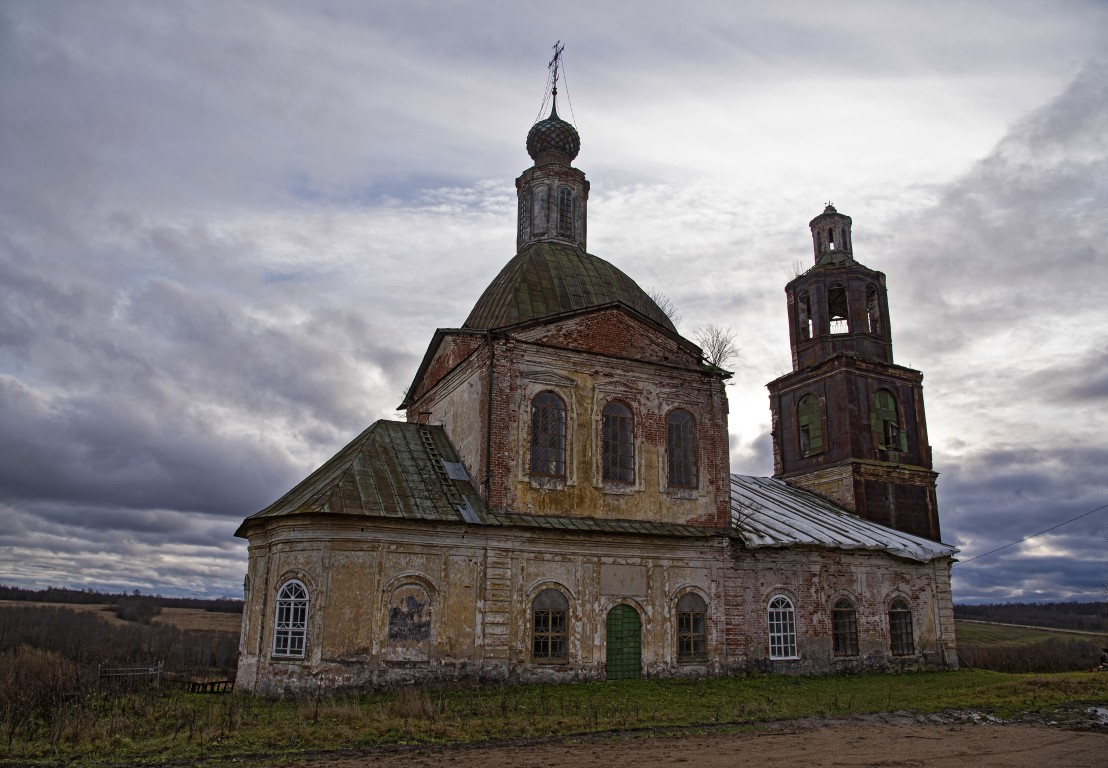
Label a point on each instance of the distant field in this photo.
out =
(193, 619)
(982, 633)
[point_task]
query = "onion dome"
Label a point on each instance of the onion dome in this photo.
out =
(553, 139)
(549, 278)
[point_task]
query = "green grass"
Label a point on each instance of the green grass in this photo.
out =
(214, 729)
(974, 633)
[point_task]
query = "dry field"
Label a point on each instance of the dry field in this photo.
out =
(193, 619)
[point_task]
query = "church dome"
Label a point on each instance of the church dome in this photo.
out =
(553, 135)
(548, 278)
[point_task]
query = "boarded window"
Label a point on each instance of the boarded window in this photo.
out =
(844, 628)
(809, 421)
(837, 309)
(290, 628)
(782, 628)
(885, 423)
(565, 211)
(681, 449)
(549, 627)
(548, 435)
(692, 634)
(900, 629)
(618, 443)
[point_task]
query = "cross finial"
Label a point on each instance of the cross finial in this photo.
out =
(553, 65)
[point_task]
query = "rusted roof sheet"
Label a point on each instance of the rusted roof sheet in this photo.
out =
(550, 278)
(393, 469)
(769, 513)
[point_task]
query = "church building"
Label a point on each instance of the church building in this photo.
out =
(559, 506)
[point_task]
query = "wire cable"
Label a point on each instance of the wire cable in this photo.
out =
(1040, 533)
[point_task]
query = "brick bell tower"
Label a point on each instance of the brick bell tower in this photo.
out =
(848, 423)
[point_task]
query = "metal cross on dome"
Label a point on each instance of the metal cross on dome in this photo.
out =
(553, 65)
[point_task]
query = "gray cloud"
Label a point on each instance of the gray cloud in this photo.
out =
(229, 231)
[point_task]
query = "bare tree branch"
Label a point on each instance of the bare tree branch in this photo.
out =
(665, 304)
(717, 342)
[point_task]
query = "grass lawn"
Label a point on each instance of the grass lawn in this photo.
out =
(178, 726)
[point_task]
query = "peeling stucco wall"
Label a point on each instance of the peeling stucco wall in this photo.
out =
(465, 594)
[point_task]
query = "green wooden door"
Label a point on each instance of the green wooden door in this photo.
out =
(624, 643)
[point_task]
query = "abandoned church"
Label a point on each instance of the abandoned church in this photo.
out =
(559, 506)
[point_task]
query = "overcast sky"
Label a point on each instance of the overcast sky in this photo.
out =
(229, 229)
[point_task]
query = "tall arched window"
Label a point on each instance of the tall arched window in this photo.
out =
(290, 627)
(565, 211)
(618, 443)
(681, 449)
(692, 634)
(885, 423)
(900, 629)
(548, 435)
(873, 310)
(804, 316)
(548, 641)
(809, 422)
(782, 628)
(844, 628)
(837, 309)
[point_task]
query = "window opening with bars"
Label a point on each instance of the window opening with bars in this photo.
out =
(844, 628)
(548, 435)
(692, 634)
(900, 629)
(549, 628)
(681, 449)
(618, 443)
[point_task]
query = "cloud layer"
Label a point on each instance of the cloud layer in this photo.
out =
(228, 231)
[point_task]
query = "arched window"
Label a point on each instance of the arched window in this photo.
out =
(837, 309)
(681, 449)
(782, 628)
(900, 629)
(844, 628)
(549, 626)
(831, 239)
(290, 628)
(885, 423)
(873, 310)
(804, 316)
(548, 435)
(692, 634)
(809, 422)
(565, 211)
(618, 441)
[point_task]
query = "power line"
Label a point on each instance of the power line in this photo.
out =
(1040, 533)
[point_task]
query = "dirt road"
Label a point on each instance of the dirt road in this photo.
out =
(801, 744)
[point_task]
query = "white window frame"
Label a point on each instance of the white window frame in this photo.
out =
(782, 628)
(290, 621)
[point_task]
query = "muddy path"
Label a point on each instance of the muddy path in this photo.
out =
(869, 742)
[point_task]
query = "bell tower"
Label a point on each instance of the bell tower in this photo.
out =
(848, 423)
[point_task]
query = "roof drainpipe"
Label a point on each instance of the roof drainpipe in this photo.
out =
(488, 422)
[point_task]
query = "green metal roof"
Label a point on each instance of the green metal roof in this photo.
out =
(550, 278)
(393, 469)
